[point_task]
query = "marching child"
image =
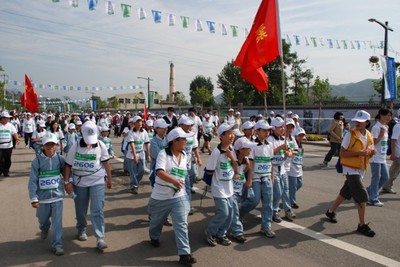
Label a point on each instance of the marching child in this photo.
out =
(223, 166)
(295, 173)
(158, 143)
(37, 137)
(46, 191)
(105, 131)
(242, 148)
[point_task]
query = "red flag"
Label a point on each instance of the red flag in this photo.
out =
(261, 47)
(145, 112)
(29, 98)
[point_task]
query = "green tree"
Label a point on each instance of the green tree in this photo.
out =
(180, 99)
(201, 95)
(112, 102)
(201, 82)
(228, 97)
(321, 91)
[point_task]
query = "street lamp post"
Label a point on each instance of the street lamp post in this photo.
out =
(5, 78)
(385, 50)
(148, 90)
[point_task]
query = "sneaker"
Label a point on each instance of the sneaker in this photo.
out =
(168, 222)
(295, 206)
(325, 163)
(155, 243)
(289, 216)
(331, 216)
(191, 211)
(58, 251)
(388, 191)
(134, 191)
(276, 218)
(268, 232)
(223, 241)
(211, 239)
(239, 238)
(365, 230)
(44, 234)
(187, 260)
(82, 236)
(100, 244)
(376, 204)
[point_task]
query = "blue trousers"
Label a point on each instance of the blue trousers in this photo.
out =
(295, 183)
(380, 175)
(94, 194)
(281, 190)
(54, 211)
(222, 219)
(236, 225)
(179, 210)
(136, 172)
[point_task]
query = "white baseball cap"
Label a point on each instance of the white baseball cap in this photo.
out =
(149, 123)
(78, 123)
(289, 112)
(248, 125)
(178, 133)
(277, 122)
(42, 124)
(186, 121)
(237, 113)
(262, 124)
(71, 126)
(104, 129)
(231, 110)
(89, 133)
(244, 143)
(160, 123)
(135, 119)
(295, 116)
(206, 115)
(290, 121)
(299, 131)
(361, 116)
(238, 133)
(223, 128)
(272, 112)
(49, 138)
(5, 114)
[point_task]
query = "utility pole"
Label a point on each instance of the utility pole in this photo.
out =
(148, 90)
(4, 76)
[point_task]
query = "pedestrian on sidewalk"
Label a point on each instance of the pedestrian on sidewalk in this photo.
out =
(86, 166)
(355, 153)
(46, 191)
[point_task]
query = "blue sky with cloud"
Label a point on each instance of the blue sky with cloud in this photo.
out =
(57, 44)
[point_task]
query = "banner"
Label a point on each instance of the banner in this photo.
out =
(110, 7)
(383, 62)
(391, 78)
(156, 16)
(126, 10)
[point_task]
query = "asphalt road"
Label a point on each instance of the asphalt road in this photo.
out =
(309, 241)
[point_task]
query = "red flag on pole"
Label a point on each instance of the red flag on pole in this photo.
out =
(262, 45)
(29, 98)
(145, 112)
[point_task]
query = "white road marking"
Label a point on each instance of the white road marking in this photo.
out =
(369, 255)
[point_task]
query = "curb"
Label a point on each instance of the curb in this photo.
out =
(317, 143)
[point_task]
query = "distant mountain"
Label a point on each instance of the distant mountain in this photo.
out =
(361, 91)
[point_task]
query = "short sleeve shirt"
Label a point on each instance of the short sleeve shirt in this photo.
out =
(381, 147)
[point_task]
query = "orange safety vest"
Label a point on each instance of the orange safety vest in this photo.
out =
(356, 144)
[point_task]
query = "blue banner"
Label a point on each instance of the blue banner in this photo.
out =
(391, 78)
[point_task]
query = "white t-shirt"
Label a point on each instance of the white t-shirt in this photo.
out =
(208, 126)
(279, 158)
(238, 183)
(169, 163)
(39, 135)
(262, 155)
(345, 145)
(222, 184)
(382, 146)
(292, 144)
(126, 138)
(296, 166)
(230, 120)
(6, 132)
(396, 136)
(87, 164)
(197, 123)
(28, 126)
(139, 139)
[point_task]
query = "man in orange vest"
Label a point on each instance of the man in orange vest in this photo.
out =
(356, 150)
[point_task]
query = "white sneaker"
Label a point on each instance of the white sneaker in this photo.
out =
(101, 244)
(268, 233)
(82, 236)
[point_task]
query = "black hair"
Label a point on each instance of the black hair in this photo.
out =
(384, 112)
(51, 126)
(337, 115)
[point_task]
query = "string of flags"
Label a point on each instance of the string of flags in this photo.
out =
(75, 88)
(224, 29)
(53, 102)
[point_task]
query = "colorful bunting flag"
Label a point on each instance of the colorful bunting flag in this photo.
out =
(234, 30)
(199, 25)
(307, 42)
(224, 30)
(352, 45)
(185, 22)
(288, 39)
(314, 41)
(73, 3)
(156, 16)
(171, 20)
(110, 7)
(246, 32)
(211, 26)
(142, 13)
(344, 44)
(297, 39)
(330, 43)
(92, 4)
(126, 10)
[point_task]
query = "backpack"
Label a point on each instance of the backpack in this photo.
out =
(391, 125)
(207, 178)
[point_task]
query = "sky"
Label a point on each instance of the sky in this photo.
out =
(57, 44)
